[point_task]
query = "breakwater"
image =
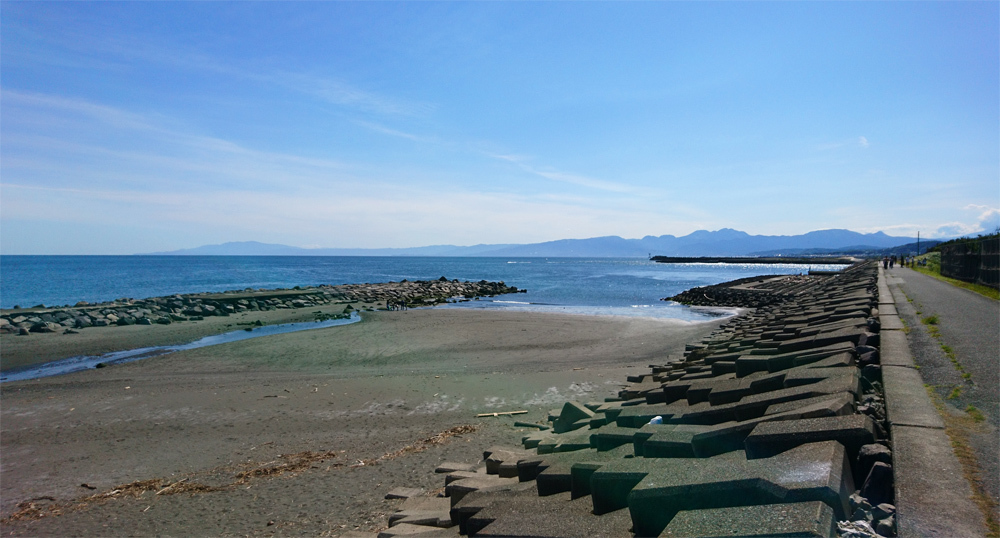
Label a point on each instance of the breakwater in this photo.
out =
(769, 260)
(194, 307)
(773, 425)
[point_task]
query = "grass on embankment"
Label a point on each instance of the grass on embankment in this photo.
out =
(933, 269)
(960, 428)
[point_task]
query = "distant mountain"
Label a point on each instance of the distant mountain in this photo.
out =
(724, 242)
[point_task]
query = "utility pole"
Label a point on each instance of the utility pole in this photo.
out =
(918, 242)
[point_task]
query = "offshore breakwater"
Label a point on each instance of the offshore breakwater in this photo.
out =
(195, 307)
(49, 341)
(773, 425)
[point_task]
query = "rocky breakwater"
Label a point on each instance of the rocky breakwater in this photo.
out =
(774, 425)
(193, 307)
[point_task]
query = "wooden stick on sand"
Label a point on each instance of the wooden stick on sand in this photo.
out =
(501, 413)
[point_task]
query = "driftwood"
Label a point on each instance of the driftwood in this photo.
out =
(506, 413)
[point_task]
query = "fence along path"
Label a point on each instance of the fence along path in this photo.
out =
(973, 260)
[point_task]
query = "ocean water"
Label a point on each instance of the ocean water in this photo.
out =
(598, 286)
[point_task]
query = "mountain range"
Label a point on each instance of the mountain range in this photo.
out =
(724, 242)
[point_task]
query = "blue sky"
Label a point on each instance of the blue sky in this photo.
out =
(132, 127)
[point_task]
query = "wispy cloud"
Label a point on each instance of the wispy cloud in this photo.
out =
(391, 132)
(563, 177)
(860, 142)
(986, 221)
(117, 52)
(331, 89)
(79, 141)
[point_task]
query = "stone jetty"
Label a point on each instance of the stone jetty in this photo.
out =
(775, 425)
(193, 307)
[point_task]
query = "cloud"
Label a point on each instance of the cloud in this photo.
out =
(989, 217)
(391, 132)
(331, 89)
(56, 141)
(392, 217)
(861, 142)
(987, 221)
(341, 93)
(563, 177)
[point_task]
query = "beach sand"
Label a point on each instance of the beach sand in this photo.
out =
(301, 433)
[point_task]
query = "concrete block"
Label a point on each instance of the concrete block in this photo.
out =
(813, 472)
(495, 457)
(556, 478)
(927, 474)
(823, 338)
(474, 501)
(895, 350)
(426, 504)
(636, 416)
(675, 443)
(611, 484)
(906, 399)
(827, 405)
(572, 441)
(573, 415)
(460, 488)
(770, 438)
(532, 440)
(557, 515)
(422, 531)
(756, 405)
(891, 323)
(611, 436)
(459, 475)
(404, 493)
(439, 518)
(450, 466)
(803, 519)
(805, 376)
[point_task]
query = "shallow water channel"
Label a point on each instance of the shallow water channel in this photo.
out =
(86, 362)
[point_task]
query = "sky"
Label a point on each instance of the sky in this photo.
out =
(130, 127)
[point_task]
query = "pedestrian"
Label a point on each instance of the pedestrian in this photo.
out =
(885, 262)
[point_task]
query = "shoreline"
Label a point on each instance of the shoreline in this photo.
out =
(368, 391)
(38, 335)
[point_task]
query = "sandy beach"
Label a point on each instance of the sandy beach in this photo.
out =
(301, 433)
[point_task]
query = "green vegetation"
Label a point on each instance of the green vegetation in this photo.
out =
(955, 393)
(976, 414)
(959, 427)
(931, 322)
(933, 269)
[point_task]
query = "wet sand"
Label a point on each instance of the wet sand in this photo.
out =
(301, 433)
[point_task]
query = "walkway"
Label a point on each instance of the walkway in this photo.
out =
(968, 324)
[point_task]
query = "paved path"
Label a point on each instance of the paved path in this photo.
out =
(970, 324)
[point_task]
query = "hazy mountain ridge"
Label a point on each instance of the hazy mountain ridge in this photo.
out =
(724, 242)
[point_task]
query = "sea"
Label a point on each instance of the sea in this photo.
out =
(583, 286)
(591, 286)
